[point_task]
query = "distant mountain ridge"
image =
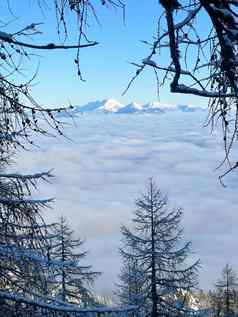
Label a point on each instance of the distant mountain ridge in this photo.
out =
(113, 106)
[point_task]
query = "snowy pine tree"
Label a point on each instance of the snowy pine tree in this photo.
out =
(24, 240)
(23, 233)
(130, 289)
(73, 279)
(25, 269)
(227, 291)
(158, 249)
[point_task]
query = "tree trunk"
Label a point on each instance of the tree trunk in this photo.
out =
(154, 312)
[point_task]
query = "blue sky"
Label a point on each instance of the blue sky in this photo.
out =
(106, 67)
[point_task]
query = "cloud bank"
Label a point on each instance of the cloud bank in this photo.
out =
(106, 166)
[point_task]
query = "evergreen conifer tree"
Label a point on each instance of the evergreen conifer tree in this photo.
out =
(159, 251)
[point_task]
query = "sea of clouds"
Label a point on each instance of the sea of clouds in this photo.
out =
(106, 164)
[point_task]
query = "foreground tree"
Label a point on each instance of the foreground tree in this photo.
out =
(24, 239)
(156, 240)
(216, 301)
(227, 290)
(131, 287)
(24, 236)
(72, 278)
(202, 61)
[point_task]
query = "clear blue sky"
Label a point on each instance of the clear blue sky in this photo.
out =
(106, 67)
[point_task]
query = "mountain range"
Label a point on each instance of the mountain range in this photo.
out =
(114, 106)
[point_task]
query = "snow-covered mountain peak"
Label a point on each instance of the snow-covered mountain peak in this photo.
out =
(113, 106)
(110, 105)
(135, 105)
(131, 108)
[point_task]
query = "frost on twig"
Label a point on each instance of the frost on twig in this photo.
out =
(202, 62)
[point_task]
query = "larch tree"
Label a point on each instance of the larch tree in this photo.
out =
(130, 288)
(158, 248)
(227, 287)
(24, 236)
(216, 300)
(73, 279)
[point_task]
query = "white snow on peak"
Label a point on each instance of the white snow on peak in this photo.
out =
(110, 105)
(135, 105)
(131, 108)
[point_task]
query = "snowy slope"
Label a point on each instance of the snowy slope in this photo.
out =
(131, 108)
(110, 105)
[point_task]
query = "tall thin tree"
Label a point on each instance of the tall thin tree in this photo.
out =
(130, 289)
(228, 286)
(156, 239)
(73, 278)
